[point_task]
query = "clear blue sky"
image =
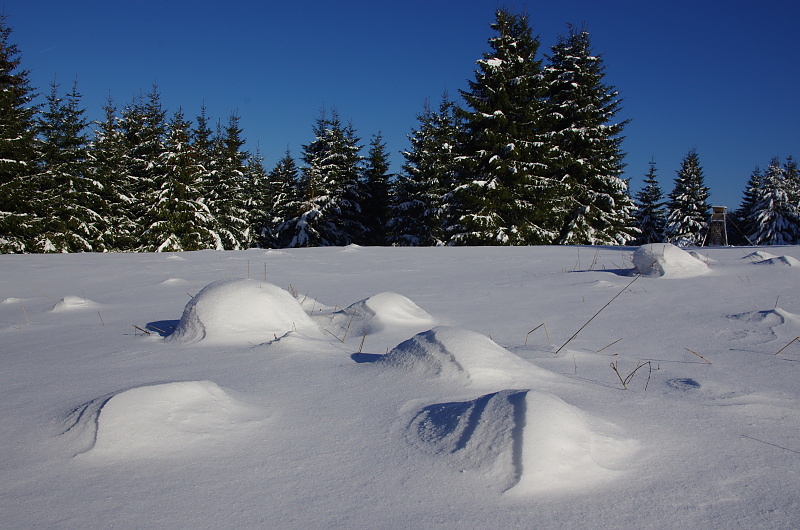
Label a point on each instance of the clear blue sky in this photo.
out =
(721, 77)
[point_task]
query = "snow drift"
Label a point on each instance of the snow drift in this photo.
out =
(242, 312)
(73, 303)
(383, 311)
(162, 419)
(668, 261)
(521, 439)
(465, 356)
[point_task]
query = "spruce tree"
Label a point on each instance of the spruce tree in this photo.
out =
(649, 214)
(70, 207)
(505, 195)
(777, 220)
(419, 213)
(588, 155)
(330, 213)
(745, 216)
(256, 200)
(688, 204)
(376, 200)
(285, 201)
(18, 148)
(226, 187)
(180, 218)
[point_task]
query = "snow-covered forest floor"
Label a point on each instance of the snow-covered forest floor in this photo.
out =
(401, 387)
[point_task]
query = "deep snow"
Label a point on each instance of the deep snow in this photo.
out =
(384, 387)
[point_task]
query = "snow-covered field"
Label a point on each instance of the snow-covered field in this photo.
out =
(401, 388)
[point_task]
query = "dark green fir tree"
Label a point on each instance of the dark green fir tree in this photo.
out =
(649, 214)
(376, 200)
(589, 159)
(688, 204)
(505, 194)
(18, 148)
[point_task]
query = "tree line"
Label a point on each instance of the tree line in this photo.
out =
(531, 156)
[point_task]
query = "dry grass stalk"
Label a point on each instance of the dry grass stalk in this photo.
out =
(796, 339)
(604, 347)
(534, 329)
(142, 330)
(101, 319)
(25, 313)
(627, 379)
(694, 352)
(595, 315)
(361, 346)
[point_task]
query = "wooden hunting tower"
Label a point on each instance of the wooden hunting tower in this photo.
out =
(717, 234)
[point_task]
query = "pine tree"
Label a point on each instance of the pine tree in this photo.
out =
(588, 158)
(143, 123)
(107, 166)
(649, 214)
(505, 196)
(376, 200)
(226, 186)
(285, 202)
(70, 209)
(256, 200)
(418, 212)
(330, 213)
(688, 203)
(777, 220)
(180, 217)
(18, 148)
(746, 222)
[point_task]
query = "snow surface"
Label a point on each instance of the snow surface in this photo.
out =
(401, 388)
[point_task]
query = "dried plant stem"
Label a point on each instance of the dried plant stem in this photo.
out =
(361, 346)
(627, 379)
(534, 329)
(101, 319)
(25, 313)
(694, 352)
(142, 330)
(595, 315)
(604, 347)
(796, 339)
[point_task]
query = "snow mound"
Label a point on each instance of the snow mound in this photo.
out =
(242, 312)
(382, 311)
(163, 419)
(668, 261)
(759, 255)
(465, 356)
(780, 260)
(770, 317)
(174, 257)
(519, 440)
(12, 300)
(175, 281)
(73, 303)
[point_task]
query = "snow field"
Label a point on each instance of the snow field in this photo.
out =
(447, 416)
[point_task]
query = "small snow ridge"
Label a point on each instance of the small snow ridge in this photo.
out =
(163, 419)
(668, 261)
(73, 303)
(780, 260)
(464, 356)
(352, 247)
(174, 281)
(12, 300)
(242, 312)
(175, 257)
(382, 311)
(759, 255)
(520, 440)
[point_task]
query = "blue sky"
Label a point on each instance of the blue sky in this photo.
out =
(721, 78)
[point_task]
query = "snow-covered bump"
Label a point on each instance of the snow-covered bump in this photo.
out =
(242, 312)
(667, 261)
(156, 420)
(523, 441)
(787, 261)
(73, 303)
(465, 356)
(382, 311)
(175, 281)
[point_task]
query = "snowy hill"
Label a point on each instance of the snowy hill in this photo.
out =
(547, 387)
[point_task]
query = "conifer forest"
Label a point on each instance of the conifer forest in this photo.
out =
(531, 153)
